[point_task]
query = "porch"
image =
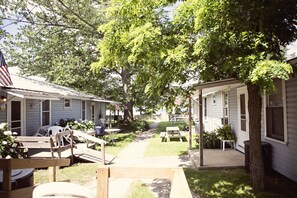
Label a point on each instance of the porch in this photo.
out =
(217, 159)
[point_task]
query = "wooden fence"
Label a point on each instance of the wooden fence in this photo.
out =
(7, 165)
(179, 184)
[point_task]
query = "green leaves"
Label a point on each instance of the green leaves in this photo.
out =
(266, 70)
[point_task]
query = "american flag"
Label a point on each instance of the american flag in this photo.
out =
(5, 79)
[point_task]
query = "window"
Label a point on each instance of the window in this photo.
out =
(275, 112)
(243, 115)
(67, 103)
(45, 113)
(225, 107)
(83, 110)
(205, 107)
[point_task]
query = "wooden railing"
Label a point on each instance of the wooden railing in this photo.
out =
(179, 185)
(7, 165)
(93, 139)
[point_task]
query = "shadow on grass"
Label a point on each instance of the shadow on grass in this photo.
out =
(236, 183)
(219, 183)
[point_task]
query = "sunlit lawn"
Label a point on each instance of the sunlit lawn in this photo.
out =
(138, 189)
(121, 140)
(232, 183)
(169, 148)
(80, 173)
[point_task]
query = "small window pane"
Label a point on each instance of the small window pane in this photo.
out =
(45, 105)
(66, 102)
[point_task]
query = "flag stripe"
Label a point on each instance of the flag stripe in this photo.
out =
(5, 79)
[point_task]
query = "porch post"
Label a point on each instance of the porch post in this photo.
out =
(200, 128)
(190, 123)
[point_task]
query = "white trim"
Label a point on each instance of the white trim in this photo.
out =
(284, 97)
(242, 90)
(274, 140)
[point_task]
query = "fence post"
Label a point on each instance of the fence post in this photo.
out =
(102, 182)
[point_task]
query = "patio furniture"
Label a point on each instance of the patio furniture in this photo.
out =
(231, 142)
(9, 165)
(53, 130)
(174, 132)
(62, 189)
(47, 143)
(111, 132)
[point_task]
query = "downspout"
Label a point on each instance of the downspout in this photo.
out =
(200, 128)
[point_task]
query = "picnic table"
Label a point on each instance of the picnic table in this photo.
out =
(111, 132)
(172, 132)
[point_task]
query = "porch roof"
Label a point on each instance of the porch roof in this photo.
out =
(31, 94)
(214, 86)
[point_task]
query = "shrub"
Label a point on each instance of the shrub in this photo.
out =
(225, 133)
(139, 125)
(82, 125)
(66, 121)
(210, 140)
(8, 147)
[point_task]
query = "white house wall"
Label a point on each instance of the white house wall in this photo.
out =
(284, 156)
(32, 116)
(213, 120)
(58, 111)
(3, 115)
(233, 112)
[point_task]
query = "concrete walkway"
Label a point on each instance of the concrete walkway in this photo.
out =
(133, 156)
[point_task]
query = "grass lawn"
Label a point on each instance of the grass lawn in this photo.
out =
(170, 148)
(80, 173)
(121, 140)
(138, 189)
(236, 183)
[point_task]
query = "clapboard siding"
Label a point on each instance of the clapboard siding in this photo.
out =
(58, 111)
(32, 116)
(233, 114)
(284, 156)
(214, 112)
(3, 115)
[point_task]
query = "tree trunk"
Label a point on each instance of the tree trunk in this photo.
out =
(127, 98)
(256, 157)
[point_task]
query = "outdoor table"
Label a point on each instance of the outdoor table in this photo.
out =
(20, 178)
(173, 132)
(112, 132)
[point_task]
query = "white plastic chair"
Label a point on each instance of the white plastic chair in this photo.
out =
(61, 189)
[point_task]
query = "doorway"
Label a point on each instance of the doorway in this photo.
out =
(243, 117)
(15, 116)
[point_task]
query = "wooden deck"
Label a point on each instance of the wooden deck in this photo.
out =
(80, 151)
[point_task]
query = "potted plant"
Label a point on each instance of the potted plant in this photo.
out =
(225, 133)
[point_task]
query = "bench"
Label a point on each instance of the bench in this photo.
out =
(53, 143)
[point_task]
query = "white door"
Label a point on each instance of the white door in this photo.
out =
(243, 117)
(15, 115)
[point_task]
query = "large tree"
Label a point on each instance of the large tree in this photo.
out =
(242, 39)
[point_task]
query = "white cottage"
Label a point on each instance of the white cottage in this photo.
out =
(31, 103)
(226, 101)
